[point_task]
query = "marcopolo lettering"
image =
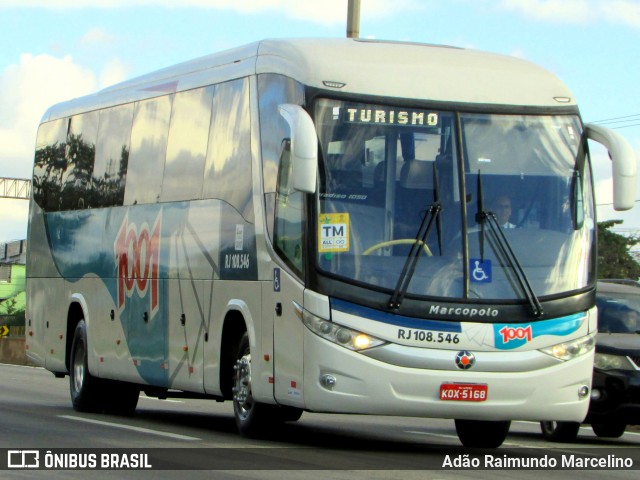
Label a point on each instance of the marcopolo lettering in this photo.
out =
(469, 312)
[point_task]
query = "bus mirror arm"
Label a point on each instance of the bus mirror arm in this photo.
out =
(304, 147)
(624, 165)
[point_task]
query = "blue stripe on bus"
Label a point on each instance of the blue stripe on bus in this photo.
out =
(394, 319)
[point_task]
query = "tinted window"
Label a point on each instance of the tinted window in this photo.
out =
(274, 90)
(227, 173)
(112, 156)
(187, 147)
(49, 164)
(80, 154)
(148, 150)
(289, 224)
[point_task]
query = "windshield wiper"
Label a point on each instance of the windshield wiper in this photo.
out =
(412, 259)
(488, 217)
(431, 215)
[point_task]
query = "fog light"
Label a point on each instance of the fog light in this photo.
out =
(596, 394)
(583, 391)
(328, 381)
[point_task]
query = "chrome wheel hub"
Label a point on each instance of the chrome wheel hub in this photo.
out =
(242, 385)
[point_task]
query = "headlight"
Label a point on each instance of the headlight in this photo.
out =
(569, 350)
(604, 361)
(346, 337)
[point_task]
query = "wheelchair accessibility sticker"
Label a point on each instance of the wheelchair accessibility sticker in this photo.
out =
(480, 270)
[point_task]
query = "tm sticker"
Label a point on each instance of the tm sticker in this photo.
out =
(333, 232)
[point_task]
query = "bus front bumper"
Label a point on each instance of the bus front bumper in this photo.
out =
(339, 380)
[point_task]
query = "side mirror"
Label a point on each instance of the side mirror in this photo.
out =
(304, 147)
(624, 164)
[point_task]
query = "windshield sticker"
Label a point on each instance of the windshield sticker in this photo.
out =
(480, 270)
(333, 232)
(390, 116)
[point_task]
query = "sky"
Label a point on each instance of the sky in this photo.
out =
(55, 50)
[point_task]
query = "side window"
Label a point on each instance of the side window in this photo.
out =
(112, 156)
(49, 164)
(187, 145)
(274, 90)
(289, 224)
(148, 150)
(227, 173)
(80, 153)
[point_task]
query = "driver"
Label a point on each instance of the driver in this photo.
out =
(501, 207)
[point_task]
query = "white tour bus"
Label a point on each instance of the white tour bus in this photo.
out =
(336, 225)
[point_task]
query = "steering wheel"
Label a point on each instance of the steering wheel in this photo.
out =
(399, 241)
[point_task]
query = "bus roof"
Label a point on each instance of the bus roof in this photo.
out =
(369, 67)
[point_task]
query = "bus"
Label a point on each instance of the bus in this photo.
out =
(315, 225)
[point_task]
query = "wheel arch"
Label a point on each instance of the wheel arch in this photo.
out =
(77, 311)
(234, 326)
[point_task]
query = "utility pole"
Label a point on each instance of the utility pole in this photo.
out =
(353, 19)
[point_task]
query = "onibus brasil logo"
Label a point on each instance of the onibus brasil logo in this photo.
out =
(137, 254)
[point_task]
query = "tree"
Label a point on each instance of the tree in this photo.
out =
(614, 257)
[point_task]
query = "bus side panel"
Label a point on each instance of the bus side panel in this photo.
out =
(288, 343)
(193, 270)
(55, 319)
(186, 332)
(41, 270)
(264, 377)
(108, 336)
(40, 310)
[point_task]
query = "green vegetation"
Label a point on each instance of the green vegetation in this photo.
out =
(614, 253)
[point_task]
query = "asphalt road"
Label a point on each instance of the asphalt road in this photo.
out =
(198, 439)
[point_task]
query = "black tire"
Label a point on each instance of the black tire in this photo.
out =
(87, 393)
(609, 430)
(253, 418)
(482, 433)
(120, 398)
(560, 431)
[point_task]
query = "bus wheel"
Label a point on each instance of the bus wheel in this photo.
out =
(609, 430)
(482, 434)
(560, 431)
(86, 390)
(252, 417)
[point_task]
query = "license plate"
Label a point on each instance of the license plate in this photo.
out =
(464, 392)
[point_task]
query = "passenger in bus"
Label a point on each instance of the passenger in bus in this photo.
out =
(501, 207)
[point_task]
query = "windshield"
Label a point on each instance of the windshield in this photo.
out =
(394, 177)
(618, 312)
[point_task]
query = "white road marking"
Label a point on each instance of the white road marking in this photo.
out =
(144, 397)
(431, 434)
(130, 427)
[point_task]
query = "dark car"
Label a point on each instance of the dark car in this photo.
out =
(615, 392)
